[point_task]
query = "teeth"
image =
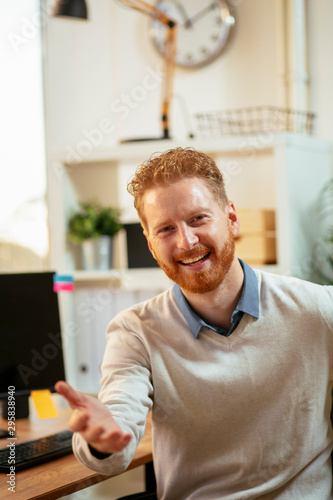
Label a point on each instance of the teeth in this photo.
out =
(194, 259)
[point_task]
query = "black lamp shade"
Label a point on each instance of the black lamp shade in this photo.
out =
(71, 8)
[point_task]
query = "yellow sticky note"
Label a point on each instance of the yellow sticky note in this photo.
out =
(43, 403)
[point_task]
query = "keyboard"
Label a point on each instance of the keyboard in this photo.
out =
(35, 452)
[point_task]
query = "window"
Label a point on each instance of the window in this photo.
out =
(23, 209)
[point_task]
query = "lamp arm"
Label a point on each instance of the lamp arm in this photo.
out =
(148, 9)
(170, 54)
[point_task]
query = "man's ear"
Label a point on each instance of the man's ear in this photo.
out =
(233, 218)
(149, 244)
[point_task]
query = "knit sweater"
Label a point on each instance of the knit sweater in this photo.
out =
(239, 417)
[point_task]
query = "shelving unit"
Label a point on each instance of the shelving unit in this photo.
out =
(261, 171)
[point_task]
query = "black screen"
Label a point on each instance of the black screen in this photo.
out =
(138, 253)
(31, 354)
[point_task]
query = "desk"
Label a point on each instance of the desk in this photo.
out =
(66, 474)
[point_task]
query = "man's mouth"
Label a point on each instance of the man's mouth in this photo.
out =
(194, 260)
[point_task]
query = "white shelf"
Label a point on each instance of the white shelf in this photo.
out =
(125, 279)
(238, 144)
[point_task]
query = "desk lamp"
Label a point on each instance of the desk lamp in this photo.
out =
(78, 9)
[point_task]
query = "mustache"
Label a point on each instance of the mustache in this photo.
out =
(198, 250)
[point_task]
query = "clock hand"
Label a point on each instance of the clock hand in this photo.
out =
(201, 13)
(186, 19)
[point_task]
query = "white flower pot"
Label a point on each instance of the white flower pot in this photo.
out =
(97, 253)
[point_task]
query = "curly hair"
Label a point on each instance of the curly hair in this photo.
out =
(171, 166)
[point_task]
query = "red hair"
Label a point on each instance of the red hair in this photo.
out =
(171, 166)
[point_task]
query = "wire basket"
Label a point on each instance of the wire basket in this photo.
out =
(253, 120)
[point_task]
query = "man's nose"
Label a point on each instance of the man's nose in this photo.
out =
(187, 238)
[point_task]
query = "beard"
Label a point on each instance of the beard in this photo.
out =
(206, 280)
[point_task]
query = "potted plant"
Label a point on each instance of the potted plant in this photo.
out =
(93, 227)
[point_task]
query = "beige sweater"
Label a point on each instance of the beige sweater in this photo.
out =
(239, 417)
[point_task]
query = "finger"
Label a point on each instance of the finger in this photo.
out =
(73, 397)
(78, 421)
(121, 442)
(125, 439)
(115, 441)
(93, 434)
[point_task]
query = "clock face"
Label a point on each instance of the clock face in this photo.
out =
(203, 29)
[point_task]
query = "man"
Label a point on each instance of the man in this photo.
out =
(235, 363)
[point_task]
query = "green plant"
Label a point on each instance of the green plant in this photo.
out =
(330, 236)
(322, 262)
(92, 221)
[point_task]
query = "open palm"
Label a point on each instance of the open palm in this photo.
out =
(93, 421)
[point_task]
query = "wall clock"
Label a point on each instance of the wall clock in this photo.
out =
(203, 29)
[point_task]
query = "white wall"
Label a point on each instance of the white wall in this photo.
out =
(92, 66)
(320, 43)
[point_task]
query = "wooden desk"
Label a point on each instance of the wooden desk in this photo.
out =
(62, 476)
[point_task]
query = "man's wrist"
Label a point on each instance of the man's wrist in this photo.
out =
(98, 454)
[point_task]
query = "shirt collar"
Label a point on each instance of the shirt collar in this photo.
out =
(248, 302)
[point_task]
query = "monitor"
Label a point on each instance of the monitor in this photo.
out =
(138, 253)
(31, 350)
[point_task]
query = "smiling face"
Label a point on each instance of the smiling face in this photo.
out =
(189, 234)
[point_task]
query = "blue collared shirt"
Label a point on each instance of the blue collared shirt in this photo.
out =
(248, 303)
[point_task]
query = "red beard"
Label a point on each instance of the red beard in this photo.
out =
(206, 280)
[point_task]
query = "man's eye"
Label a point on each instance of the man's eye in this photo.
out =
(165, 229)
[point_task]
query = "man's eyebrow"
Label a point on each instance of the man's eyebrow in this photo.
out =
(159, 225)
(196, 211)
(199, 211)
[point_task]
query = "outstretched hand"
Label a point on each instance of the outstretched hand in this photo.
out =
(93, 421)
